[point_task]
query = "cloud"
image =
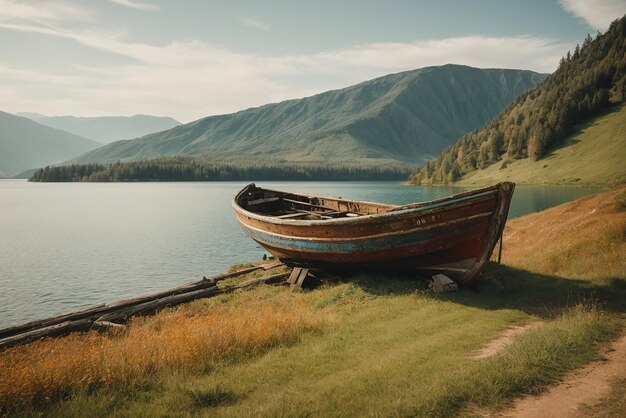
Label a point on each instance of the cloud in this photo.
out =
(189, 79)
(254, 23)
(597, 13)
(8, 73)
(136, 5)
(51, 11)
(525, 52)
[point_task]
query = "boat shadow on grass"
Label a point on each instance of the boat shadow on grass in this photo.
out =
(505, 287)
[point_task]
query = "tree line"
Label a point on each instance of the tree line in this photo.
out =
(587, 81)
(193, 169)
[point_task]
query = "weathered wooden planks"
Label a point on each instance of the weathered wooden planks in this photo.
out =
(106, 316)
(104, 308)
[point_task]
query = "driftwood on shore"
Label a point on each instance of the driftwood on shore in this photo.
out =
(108, 316)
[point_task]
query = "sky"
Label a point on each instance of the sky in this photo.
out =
(193, 58)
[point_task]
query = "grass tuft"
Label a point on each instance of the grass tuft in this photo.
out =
(174, 340)
(621, 199)
(211, 397)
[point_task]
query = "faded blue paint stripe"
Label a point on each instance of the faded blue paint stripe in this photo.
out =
(375, 244)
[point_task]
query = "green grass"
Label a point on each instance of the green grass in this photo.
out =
(593, 155)
(392, 349)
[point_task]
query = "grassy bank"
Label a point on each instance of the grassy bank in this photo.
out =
(361, 345)
(583, 239)
(593, 155)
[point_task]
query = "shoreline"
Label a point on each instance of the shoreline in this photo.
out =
(235, 353)
(105, 210)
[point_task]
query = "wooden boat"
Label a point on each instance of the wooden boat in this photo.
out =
(455, 234)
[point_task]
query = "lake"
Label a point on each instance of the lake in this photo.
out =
(64, 246)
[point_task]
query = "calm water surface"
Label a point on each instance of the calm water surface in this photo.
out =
(68, 245)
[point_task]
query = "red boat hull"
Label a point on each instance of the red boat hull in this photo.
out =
(456, 234)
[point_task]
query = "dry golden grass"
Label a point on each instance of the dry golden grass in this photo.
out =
(584, 238)
(174, 340)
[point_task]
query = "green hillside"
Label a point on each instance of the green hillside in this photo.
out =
(587, 83)
(594, 155)
(106, 129)
(25, 144)
(407, 117)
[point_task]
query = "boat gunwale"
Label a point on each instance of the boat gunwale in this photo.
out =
(393, 212)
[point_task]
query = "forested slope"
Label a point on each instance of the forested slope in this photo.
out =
(587, 82)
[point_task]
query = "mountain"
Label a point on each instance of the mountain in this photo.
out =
(587, 83)
(25, 144)
(106, 129)
(407, 117)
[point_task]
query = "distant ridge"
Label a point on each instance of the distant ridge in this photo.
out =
(31, 115)
(106, 129)
(401, 118)
(25, 144)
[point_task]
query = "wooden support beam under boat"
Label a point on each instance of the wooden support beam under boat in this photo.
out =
(297, 276)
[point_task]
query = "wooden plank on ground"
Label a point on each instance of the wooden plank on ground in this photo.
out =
(104, 317)
(95, 312)
(122, 314)
(275, 278)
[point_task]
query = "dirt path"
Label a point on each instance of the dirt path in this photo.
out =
(494, 346)
(585, 386)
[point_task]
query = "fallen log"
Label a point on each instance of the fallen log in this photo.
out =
(50, 331)
(107, 326)
(203, 284)
(174, 300)
(124, 313)
(107, 317)
(276, 278)
(98, 310)
(17, 329)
